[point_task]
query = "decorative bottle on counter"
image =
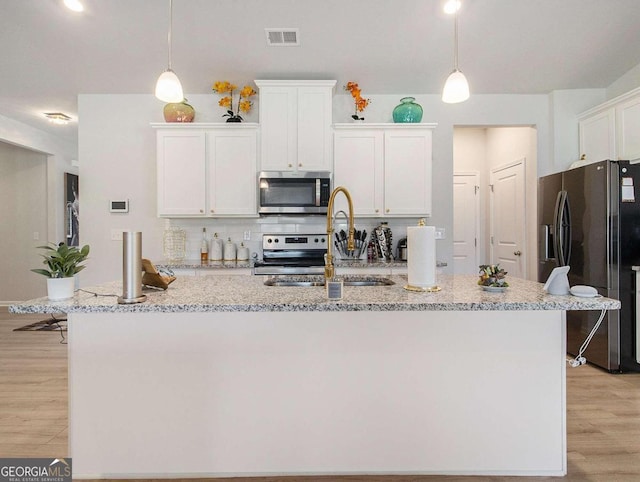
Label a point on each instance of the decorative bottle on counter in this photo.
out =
(204, 247)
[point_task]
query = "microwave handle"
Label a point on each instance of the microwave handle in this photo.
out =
(318, 192)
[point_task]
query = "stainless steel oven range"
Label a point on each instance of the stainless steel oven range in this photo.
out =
(292, 254)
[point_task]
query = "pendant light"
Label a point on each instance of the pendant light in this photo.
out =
(168, 87)
(456, 88)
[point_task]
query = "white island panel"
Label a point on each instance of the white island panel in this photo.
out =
(317, 392)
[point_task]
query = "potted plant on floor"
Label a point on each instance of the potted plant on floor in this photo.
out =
(63, 263)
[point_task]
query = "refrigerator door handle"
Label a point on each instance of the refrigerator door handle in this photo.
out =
(557, 227)
(562, 229)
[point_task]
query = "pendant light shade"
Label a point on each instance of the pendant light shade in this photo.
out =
(168, 86)
(456, 88)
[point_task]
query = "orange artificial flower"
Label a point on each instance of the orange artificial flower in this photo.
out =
(360, 102)
(225, 102)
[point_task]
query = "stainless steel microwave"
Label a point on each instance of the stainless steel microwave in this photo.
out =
(283, 192)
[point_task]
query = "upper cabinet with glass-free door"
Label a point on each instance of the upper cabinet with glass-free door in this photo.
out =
(385, 167)
(295, 124)
(207, 170)
(612, 130)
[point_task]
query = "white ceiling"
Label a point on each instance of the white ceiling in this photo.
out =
(50, 54)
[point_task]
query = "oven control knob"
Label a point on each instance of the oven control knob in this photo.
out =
(269, 240)
(315, 240)
(276, 240)
(322, 240)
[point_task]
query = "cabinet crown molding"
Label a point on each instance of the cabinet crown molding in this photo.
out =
(205, 125)
(385, 125)
(609, 103)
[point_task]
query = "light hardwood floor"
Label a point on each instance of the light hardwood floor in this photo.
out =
(603, 420)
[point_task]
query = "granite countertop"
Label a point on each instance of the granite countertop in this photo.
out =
(248, 293)
(197, 264)
(339, 263)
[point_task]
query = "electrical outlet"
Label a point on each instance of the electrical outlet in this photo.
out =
(441, 233)
(247, 236)
(116, 235)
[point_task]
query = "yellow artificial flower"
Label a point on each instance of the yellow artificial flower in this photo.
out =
(245, 106)
(247, 91)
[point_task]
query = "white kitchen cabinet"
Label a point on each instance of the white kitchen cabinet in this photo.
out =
(181, 172)
(612, 130)
(295, 124)
(359, 167)
(385, 167)
(231, 172)
(628, 128)
(598, 136)
(207, 170)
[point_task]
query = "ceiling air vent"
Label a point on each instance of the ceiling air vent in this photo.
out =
(282, 37)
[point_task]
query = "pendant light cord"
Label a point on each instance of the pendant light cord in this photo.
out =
(170, 28)
(455, 40)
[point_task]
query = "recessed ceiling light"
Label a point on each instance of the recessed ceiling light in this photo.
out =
(452, 6)
(74, 5)
(57, 117)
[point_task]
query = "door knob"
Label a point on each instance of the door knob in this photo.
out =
(517, 253)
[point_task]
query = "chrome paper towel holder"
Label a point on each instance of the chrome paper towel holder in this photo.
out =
(131, 268)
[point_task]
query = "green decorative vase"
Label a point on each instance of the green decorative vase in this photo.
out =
(407, 111)
(179, 112)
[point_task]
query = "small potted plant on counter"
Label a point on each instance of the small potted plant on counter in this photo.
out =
(492, 278)
(63, 263)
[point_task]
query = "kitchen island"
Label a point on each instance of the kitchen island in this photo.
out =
(222, 375)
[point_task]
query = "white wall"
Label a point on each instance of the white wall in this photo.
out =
(59, 154)
(629, 81)
(23, 212)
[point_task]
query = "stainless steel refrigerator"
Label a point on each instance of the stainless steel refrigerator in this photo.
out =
(589, 220)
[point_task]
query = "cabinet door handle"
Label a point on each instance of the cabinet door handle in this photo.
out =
(213, 211)
(387, 210)
(290, 165)
(300, 165)
(517, 253)
(202, 211)
(377, 210)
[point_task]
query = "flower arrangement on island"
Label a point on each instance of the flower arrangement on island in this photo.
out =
(244, 102)
(360, 102)
(492, 275)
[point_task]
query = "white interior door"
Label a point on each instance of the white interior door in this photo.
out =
(466, 222)
(508, 218)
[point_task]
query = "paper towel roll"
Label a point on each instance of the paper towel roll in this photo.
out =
(421, 256)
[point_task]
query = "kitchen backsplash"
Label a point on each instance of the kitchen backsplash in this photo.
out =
(236, 229)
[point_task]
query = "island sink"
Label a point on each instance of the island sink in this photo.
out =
(319, 281)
